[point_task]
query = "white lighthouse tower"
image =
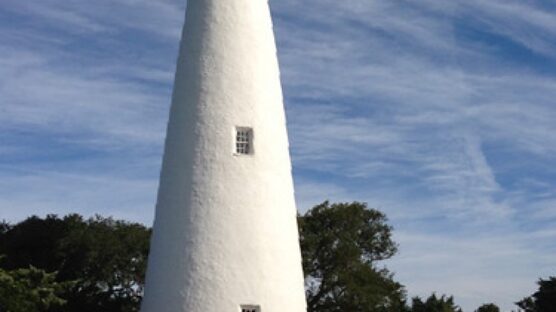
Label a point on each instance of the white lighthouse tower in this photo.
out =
(225, 237)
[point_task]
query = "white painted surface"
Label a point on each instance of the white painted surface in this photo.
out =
(225, 231)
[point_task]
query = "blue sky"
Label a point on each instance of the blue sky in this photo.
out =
(440, 113)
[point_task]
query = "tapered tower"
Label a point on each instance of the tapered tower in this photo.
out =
(225, 237)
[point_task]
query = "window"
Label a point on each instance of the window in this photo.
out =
(244, 141)
(250, 308)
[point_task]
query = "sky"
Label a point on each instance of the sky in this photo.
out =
(439, 113)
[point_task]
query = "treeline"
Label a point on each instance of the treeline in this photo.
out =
(93, 265)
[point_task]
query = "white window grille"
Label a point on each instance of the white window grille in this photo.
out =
(250, 308)
(244, 141)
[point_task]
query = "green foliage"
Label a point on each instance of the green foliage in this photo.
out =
(543, 300)
(435, 304)
(4, 227)
(488, 307)
(29, 290)
(100, 264)
(109, 259)
(32, 242)
(341, 245)
(105, 259)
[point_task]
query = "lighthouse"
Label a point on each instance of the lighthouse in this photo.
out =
(225, 235)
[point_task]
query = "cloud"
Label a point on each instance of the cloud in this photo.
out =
(156, 18)
(478, 268)
(39, 192)
(525, 24)
(105, 104)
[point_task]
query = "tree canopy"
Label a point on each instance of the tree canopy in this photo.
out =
(29, 290)
(435, 304)
(488, 307)
(543, 300)
(72, 264)
(341, 246)
(104, 259)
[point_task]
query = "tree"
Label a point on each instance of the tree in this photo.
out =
(4, 227)
(543, 300)
(108, 258)
(435, 304)
(105, 259)
(33, 242)
(488, 307)
(29, 290)
(341, 246)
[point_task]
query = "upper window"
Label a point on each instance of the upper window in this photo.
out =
(250, 308)
(244, 141)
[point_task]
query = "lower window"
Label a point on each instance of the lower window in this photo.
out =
(250, 308)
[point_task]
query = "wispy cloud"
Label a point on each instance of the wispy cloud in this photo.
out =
(524, 23)
(158, 18)
(40, 192)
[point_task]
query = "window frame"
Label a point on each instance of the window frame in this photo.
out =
(243, 136)
(249, 308)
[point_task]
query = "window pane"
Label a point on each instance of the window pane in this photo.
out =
(244, 140)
